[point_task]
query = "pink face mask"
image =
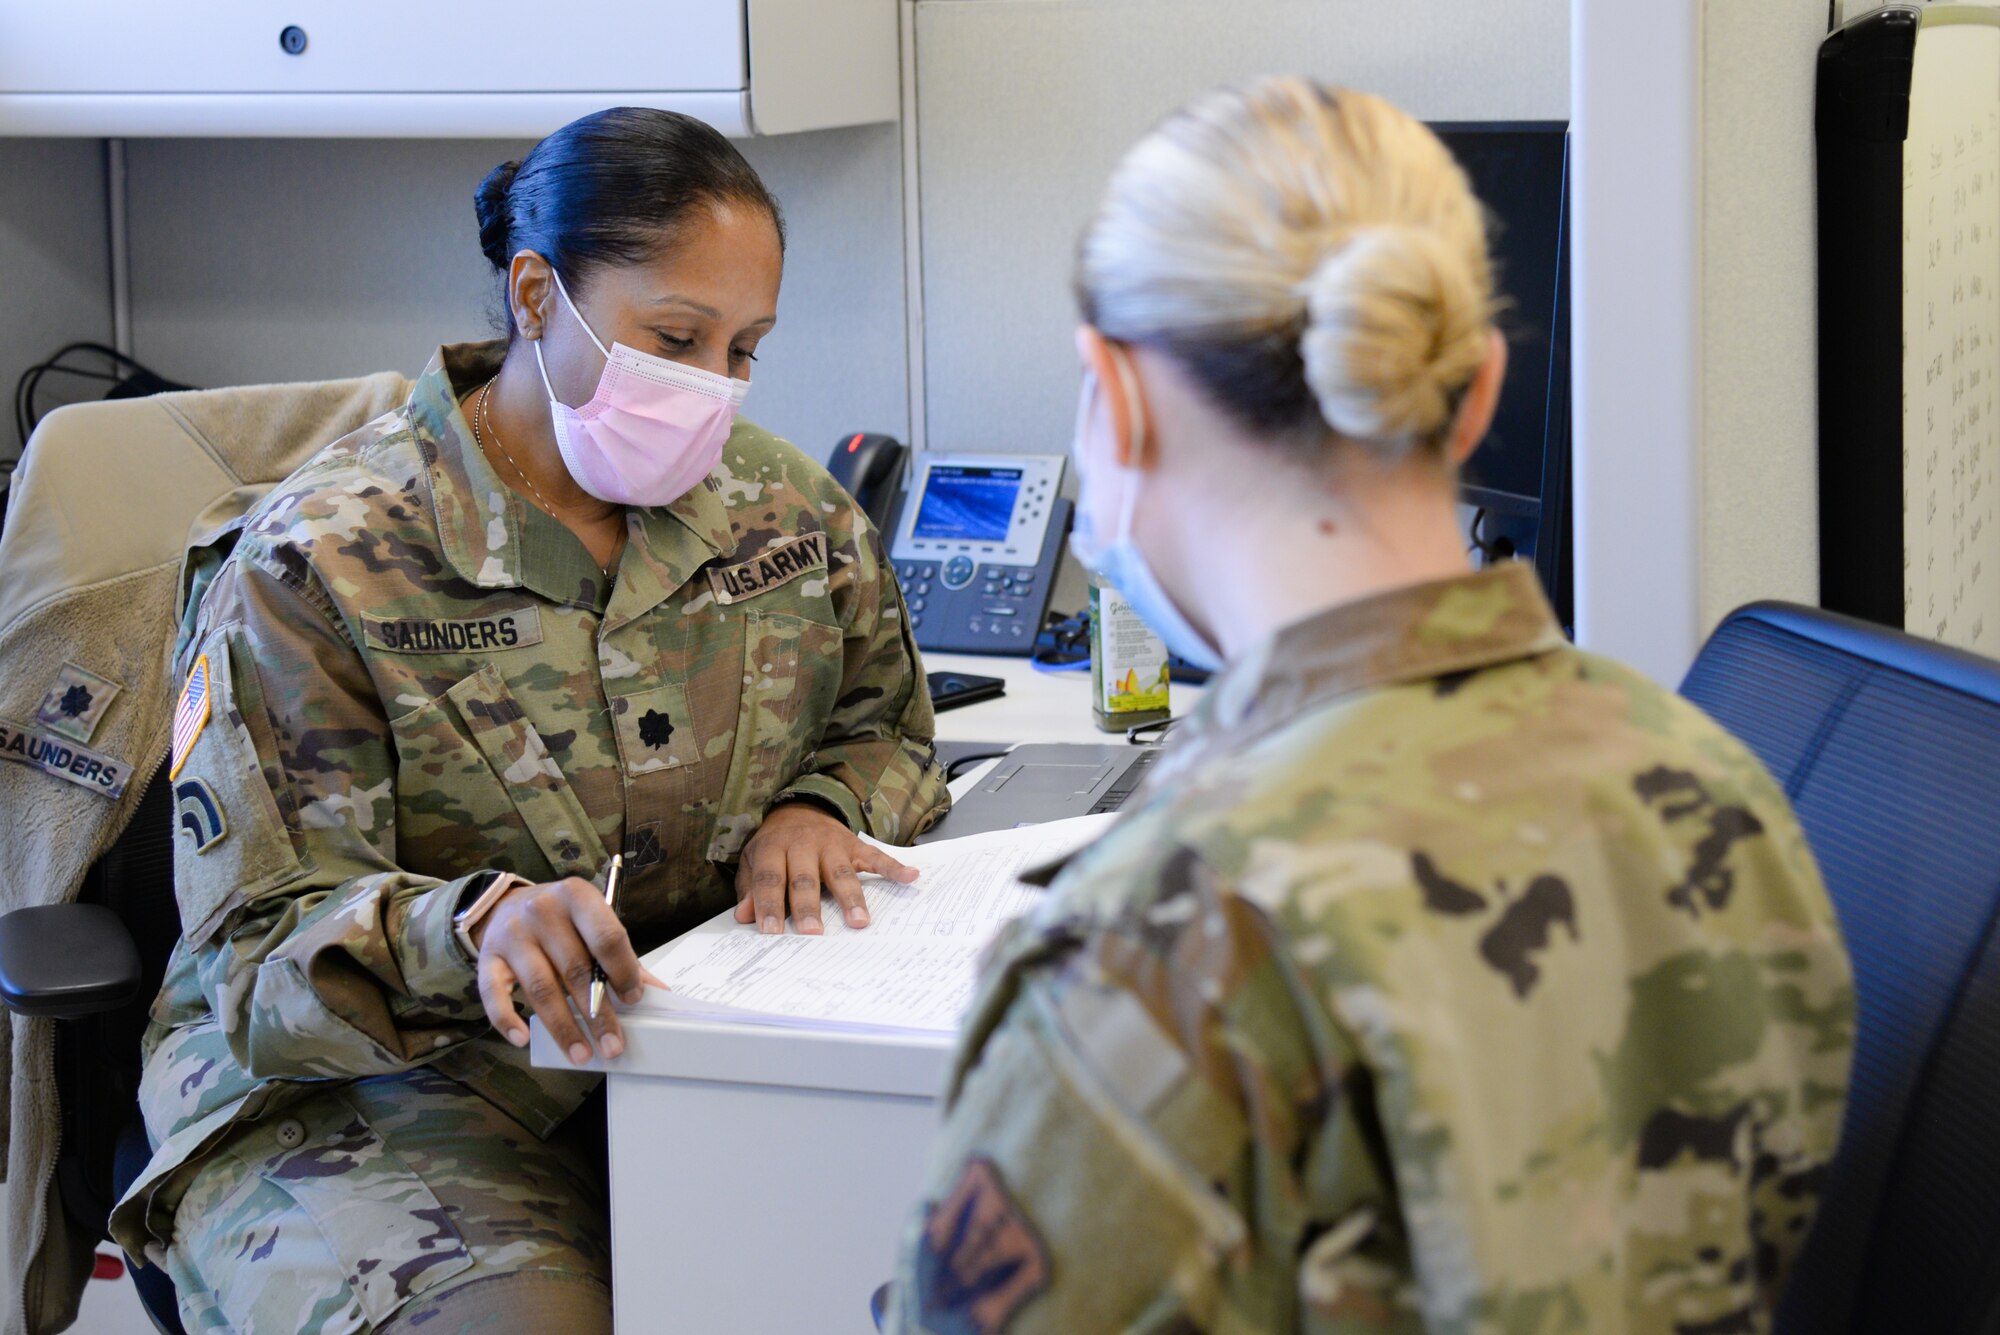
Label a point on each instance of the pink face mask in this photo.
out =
(652, 431)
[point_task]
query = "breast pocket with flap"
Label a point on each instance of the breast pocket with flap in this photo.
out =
(471, 771)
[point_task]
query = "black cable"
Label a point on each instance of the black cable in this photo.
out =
(24, 388)
(963, 763)
(1491, 551)
(1063, 640)
(1472, 531)
(25, 416)
(7, 469)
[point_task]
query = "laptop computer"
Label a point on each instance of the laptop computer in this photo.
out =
(1043, 781)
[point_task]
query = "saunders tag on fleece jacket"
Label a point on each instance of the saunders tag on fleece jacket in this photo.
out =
(66, 760)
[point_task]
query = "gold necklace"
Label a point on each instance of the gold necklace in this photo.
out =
(479, 439)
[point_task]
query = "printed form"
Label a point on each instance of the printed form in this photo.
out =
(912, 970)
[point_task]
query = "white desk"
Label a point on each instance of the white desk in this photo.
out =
(760, 1178)
(1038, 706)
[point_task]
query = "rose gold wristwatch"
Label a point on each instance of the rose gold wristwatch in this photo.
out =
(467, 918)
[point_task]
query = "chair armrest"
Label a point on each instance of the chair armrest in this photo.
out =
(66, 960)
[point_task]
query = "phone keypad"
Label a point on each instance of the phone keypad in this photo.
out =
(1004, 614)
(1004, 607)
(916, 577)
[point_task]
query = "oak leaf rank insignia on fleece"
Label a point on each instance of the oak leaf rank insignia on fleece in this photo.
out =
(75, 703)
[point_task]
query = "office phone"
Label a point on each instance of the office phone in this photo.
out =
(870, 466)
(975, 539)
(976, 544)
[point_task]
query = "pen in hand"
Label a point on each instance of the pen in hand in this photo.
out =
(597, 978)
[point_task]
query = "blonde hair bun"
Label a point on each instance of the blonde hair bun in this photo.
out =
(1312, 255)
(1396, 327)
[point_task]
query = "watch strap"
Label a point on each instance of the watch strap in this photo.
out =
(497, 885)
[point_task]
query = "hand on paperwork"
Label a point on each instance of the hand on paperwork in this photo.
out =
(796, 851)
(912, 972)
(543, 939)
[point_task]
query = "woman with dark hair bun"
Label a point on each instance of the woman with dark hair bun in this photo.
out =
(562, 606)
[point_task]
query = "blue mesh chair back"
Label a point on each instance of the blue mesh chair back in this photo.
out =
(1889, 748)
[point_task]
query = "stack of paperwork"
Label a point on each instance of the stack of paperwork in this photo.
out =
(911, 971)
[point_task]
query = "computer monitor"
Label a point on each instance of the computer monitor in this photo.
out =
(1519, 476)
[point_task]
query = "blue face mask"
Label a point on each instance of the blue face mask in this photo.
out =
(1120, 563)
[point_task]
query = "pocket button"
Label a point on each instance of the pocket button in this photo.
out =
(291, 1133)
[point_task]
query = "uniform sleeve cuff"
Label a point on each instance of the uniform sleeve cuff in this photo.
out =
(836, 796)
(437, 968)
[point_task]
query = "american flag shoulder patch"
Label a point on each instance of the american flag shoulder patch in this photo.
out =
(190, 715)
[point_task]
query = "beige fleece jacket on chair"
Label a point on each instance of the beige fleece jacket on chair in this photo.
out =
(108, 497)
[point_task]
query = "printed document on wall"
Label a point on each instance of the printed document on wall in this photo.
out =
(1951, 339)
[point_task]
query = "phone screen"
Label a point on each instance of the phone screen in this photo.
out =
(967, 504)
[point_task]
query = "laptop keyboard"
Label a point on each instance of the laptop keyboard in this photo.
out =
(1122, 787)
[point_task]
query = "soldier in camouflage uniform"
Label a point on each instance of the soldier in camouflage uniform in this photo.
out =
(418, 686)
(1443, 978)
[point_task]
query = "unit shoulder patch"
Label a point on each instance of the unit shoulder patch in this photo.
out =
(516, 629)
(198, 814)
(66, 760)
(76, 702)
(979, 1260)
(780, 565)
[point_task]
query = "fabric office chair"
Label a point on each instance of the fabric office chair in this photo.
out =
(96, 965)
(91, 568)
(1889, 748)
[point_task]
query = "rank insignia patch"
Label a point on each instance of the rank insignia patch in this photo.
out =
(198, 815)
(75, 704)
(190, 715)
(655, 729)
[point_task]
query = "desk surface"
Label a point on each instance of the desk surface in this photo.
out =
(1038, 706)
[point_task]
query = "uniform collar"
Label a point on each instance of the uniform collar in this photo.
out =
(494, 539)
(1421, 632)
(666, 546)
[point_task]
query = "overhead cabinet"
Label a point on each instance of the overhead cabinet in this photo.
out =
(433, 68)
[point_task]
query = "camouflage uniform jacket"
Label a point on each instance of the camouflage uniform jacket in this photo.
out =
(415, 678)
(1443, 978)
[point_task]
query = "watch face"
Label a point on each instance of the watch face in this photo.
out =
(498, 883)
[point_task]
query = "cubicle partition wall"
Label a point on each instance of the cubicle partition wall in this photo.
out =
(1908, 129)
